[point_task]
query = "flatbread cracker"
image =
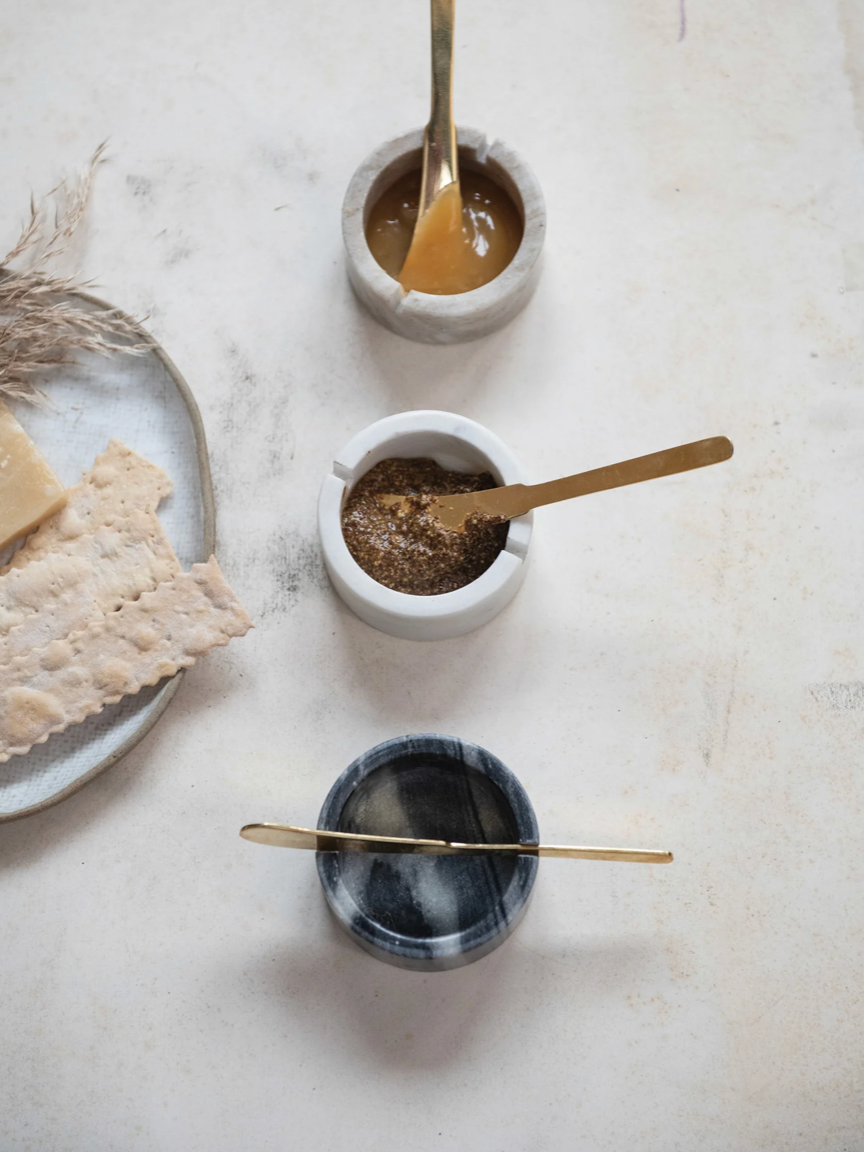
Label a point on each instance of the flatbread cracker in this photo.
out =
(52, 598)
(115, 563)
(63, 616)
(119, 482)
(149, 638)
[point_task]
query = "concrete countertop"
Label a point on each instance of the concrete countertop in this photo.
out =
(682, 669)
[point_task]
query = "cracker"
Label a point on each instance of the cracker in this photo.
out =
(52, 598)
(115, 563)
(48, 690)
(119, 482)
(69, 613)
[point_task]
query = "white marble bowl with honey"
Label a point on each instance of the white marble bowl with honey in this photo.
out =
(457, 444)
(422, 316)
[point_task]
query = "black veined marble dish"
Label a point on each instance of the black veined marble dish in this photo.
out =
(429, 913)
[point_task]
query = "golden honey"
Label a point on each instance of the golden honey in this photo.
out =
(464, 244)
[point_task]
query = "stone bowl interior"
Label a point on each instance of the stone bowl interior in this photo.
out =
(412, 161)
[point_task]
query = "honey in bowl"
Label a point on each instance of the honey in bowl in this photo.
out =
(490, 234)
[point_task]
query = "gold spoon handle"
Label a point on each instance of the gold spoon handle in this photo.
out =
(669, 462)
(289, 836)
(517, 499)
(441, 166)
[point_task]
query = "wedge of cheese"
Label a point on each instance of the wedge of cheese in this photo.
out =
(119, 481)
(29, 490)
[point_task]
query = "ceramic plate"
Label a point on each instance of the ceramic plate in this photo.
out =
(145, 402)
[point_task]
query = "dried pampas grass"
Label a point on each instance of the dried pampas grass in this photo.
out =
(41, 322)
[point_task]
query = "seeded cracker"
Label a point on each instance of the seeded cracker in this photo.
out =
(119, 483)
(113, 564)
(167, 629)
(52, 598)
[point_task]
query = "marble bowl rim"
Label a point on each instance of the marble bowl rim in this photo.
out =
(482, 937)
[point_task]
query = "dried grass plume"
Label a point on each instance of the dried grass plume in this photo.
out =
(41, 322)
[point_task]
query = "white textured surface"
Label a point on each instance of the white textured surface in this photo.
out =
(682, 668)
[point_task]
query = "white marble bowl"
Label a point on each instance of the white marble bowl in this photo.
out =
(459, 445)
(444, 319)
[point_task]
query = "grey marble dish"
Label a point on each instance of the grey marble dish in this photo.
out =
(429, 913)
(444, 319)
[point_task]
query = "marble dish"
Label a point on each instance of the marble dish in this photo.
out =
(455, 443)
(429, 913)
(444, 319)
(146, 403)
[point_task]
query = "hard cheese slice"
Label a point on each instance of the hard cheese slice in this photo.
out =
(29, 490)
(119, 481)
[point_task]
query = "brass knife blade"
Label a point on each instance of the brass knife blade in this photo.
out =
(321, 840)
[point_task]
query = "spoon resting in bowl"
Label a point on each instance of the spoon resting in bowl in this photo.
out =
(437, 246)
(502, 504)
(322, 840)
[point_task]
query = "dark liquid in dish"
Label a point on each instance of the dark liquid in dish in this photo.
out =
(405, 548)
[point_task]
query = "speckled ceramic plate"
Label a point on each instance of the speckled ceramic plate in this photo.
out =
(146, 403)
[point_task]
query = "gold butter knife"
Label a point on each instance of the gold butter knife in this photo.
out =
(318, 840)
(517, 499)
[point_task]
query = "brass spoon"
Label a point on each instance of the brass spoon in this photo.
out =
(287, 836)
(438, 230)
(440, 158)
(517, 499)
